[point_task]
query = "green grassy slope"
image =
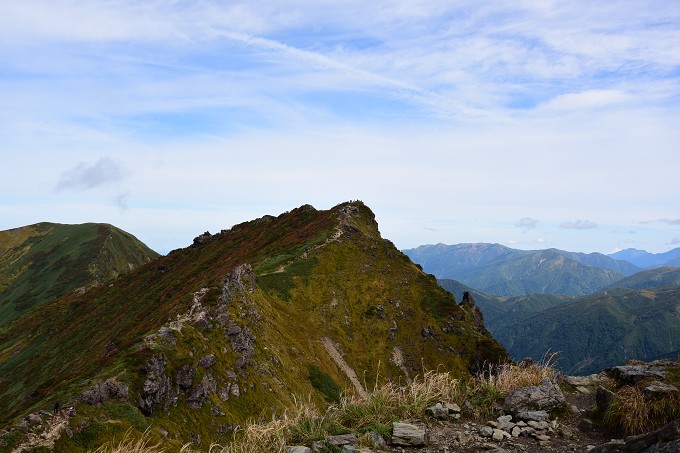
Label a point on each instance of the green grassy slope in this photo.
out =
(544, 272)
(319, 278)
(503, 313)
(600, 330)
(652, 278)
(638, 320)
(43, 261)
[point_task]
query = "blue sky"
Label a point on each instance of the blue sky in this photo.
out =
(534, 124)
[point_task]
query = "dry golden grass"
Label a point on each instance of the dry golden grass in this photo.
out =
(374, 411)
(633, 414)
(355, 413)
(509, 376)
(128, 444)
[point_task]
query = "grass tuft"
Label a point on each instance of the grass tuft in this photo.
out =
(128, 444)
(633, 414)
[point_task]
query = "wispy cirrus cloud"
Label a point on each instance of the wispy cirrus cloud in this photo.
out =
(578, 225)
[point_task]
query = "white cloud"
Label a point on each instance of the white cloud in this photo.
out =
(578, 225)
(586, 100)
(527, 223)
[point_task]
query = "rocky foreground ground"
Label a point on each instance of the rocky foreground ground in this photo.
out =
(528, 427)
(563, 414)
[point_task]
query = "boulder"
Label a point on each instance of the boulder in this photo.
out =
(544, 397)
(342, 439)
(658, 389)
(408, 435)
(536, 416)
(299, 449)
(632, 374)
(486, 431)
(585, 381)
(438, 411)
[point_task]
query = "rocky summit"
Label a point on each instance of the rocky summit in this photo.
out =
(235, 327)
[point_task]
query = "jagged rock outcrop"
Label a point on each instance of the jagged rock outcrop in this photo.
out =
(157, 386)
(185, 376)
(104, 391)
(239, 282)
(243, 343)
(200, 393)
(469, 303)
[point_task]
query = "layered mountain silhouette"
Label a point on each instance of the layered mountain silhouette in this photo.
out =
(40, 262)
(636, 318)
(237, 326)
(644, 259)
(500, 270)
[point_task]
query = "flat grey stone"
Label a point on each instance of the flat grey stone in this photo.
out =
(408, 435)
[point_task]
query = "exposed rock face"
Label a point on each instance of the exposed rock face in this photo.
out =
(199, 394)
(240, 281)
(547, 397)
(658, 389)
(469, 302)
(243, 343)
(104, 391)
(157, 386)
(207, 361)
(185, 376)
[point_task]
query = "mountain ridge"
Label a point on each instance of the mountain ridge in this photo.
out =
(500, 270)
(40, 262)
(234, 325)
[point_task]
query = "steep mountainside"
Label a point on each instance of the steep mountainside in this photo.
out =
(652, 278)
(43, 261)
(643, 259)
(238, 325)
(495, 269)
(638, 317)
(544, 272)
(500, 312)
(600, 330)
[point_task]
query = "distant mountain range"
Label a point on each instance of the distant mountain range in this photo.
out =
(636, 318)
(496, 269)
(644, 259)
(40, 262)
